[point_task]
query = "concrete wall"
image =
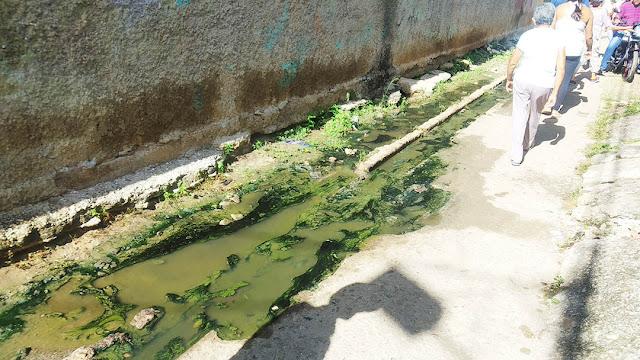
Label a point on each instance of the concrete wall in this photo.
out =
(94, 89)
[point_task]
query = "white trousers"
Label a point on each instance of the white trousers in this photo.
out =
(528, 101)
(596, 55)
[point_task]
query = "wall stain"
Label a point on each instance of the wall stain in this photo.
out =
(104, 128)
(437, 46)
(259, 88)
(273, 34)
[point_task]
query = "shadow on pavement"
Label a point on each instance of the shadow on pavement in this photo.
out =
(576, 313)
(549, 131)
(304, 331)
(574, 98)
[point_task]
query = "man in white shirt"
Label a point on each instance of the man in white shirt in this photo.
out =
(540, 52)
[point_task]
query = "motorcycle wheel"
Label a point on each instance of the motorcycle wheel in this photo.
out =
(616, 59)
(630, 68)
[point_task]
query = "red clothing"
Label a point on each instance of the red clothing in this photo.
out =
(629, 14)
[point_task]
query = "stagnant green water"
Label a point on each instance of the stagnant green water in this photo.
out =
(298, 225)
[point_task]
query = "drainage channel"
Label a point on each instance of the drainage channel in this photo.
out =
(298, 226)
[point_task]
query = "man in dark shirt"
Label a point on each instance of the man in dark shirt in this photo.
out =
(629, 16)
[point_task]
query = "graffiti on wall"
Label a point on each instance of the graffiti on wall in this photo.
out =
(182, 3)
(302, 49)
(394, 24)
(272, 34)
(319, 14)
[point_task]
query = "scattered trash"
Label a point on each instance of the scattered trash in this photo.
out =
(297, 142)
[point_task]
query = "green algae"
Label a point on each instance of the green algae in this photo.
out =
(233, 259)
(174, 348)
(175, 232)
(392, 200)
(201, 293)
(11, 321)
(115, 311)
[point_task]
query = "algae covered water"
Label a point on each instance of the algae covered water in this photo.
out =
(294, 228)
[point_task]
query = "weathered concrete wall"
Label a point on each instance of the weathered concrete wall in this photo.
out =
(92, 90)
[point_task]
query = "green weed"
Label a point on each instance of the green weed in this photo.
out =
(258, 145)
(575, 193)
(227, 149)
(632, 108)
(582, 168)
(99, 212)
(339, 124)
(554, 288)
(568, 244)
(599, 148)
(300, 132)
(181, 190)
(171, 351)
(599, 129)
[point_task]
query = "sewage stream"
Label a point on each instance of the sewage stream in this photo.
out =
(297, 226)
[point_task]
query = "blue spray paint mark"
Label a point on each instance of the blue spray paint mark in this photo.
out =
(312, 8)
(182, 3)
(197, 100)
(302, 48)
(339, 45)
(290, 72)
(273, 34)
(230, 67)
(452, 31)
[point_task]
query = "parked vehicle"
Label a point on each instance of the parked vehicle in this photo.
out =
(625, 58)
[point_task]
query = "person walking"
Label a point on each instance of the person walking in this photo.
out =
(601, 26)
(541, 55)
(574, 24)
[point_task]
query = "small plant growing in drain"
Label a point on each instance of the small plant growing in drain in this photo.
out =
(227, 150)
(179, 191)
(221, 164)
(99, 213)
(258, 145)
(552, 289)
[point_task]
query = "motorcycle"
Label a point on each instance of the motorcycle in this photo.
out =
(625, 58)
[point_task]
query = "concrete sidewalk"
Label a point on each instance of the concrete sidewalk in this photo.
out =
(469, 287)
(601, 300)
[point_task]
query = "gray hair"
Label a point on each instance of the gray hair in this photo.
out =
(543, 14)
